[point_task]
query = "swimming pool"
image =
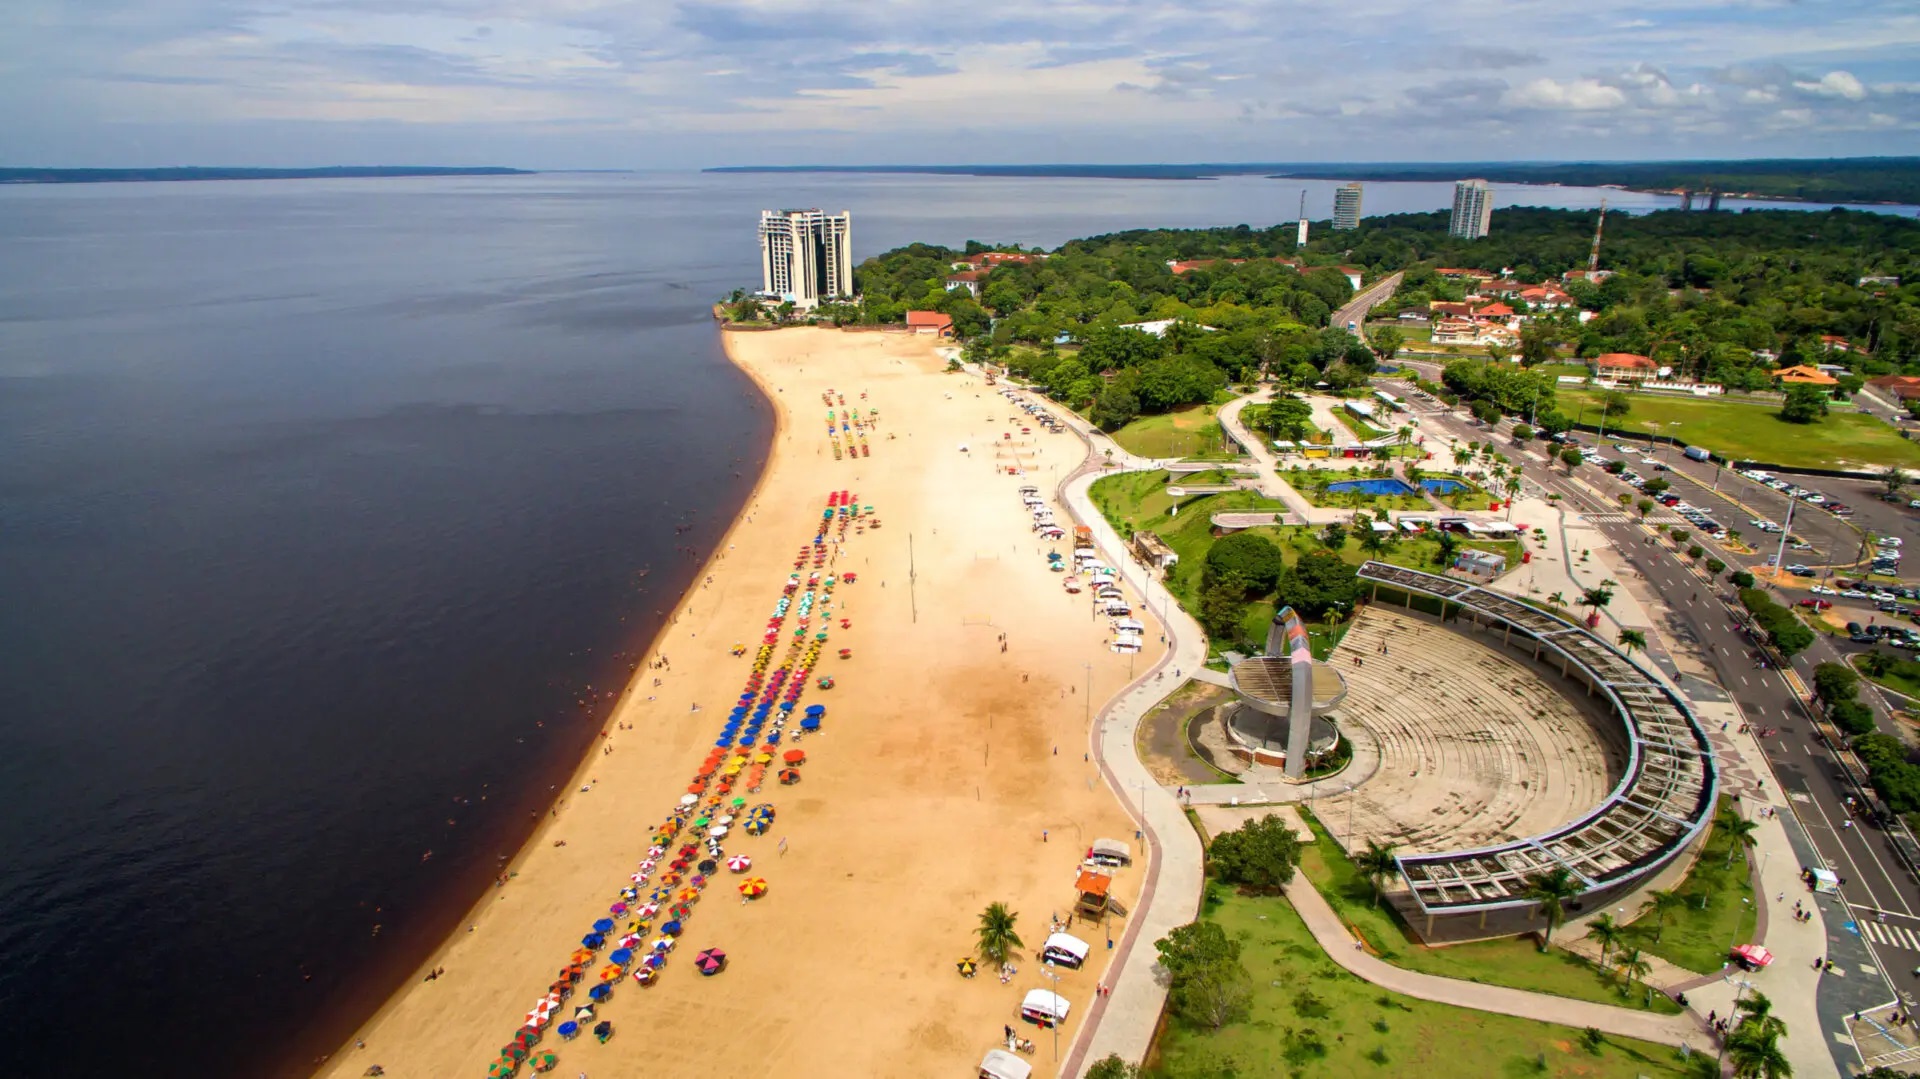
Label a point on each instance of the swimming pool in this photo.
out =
(1395, 487)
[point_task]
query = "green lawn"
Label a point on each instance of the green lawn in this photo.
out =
(1512, 961)
(1719, 910)
(1754, 431)
(1189, 432)
(1356, 426)
(1310, 1018)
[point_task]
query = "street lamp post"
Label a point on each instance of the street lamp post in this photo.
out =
(1350, 801)
(1054, 975)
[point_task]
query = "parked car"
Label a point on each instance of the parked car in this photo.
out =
(1823, 590)
(1817, 604)
(1799, 569)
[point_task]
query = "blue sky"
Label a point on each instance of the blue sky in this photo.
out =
(660, 84)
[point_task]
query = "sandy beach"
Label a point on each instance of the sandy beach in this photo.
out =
(950, 774)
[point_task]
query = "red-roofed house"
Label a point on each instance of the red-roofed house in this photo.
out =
(990, 259)
(1492, 312)
(1589, 276)
(1545, 297)
(1803, 375)
(937, 323)
(1834, 344)
(967, 279)
(1446, 308)
(1629, 366)
(1354, 274)
(1900, 387)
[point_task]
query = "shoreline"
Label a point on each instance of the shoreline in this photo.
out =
(529, 842)
(926, 835)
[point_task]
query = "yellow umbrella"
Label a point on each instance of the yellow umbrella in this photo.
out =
(753, 887)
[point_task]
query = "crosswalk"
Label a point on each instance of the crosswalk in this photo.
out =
(1613, 517)
(1895, 936)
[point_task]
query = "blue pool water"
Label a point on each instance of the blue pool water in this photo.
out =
(1395, 487)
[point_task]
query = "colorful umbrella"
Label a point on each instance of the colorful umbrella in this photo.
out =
(753, 887)
(600, 992)
(739, 863)
(789, 776)
(794, 756)
(671, 929)
(545, 1062)
(966, 968)
(514, 1052)
(711, 961)
(502, 1069)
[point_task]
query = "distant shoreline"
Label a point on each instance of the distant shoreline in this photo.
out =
(192, 173)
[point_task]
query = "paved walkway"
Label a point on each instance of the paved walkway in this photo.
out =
(1341, 947)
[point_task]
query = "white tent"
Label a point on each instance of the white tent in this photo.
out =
(1066, 950)
(1112, 852)
(1044, 1004)
(1128, 625)
(1000, 1064)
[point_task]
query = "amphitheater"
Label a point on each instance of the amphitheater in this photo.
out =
(1505, 742)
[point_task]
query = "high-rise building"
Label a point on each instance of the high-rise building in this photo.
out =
(1472, 209)
(806, 256)
(1346, 207)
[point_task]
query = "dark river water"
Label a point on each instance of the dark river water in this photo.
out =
(324, 508)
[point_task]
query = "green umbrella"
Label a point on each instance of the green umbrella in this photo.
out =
(702, 822)
(543, 1062)
(739, 801)
(514, 1054)
(502, 1070)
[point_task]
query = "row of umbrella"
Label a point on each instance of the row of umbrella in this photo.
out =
(738, 753)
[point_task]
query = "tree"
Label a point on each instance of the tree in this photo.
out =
(1755, 1054)
(1206, 982)
(1632, 966)
(1334, 535)
(1645, 506)
(1595, 599)
(1497, 352)
(1539, 342)
(1115, 407)
(1249, 556)
(1522, 433)
(1741, 579)
(1803, 404)
(1853, 717)
(1444, 547)
(1258, 857)
(1385, 342)
(1662, 905)
(1716, 567)
(1571, 458)
(1614, 404)
(1756, 1013)
(1895, 479)
(1288, 417)
(1486, 411)
(1318, 583)
(1835, 682)
(1380, 861)
(995, 939)
(1112, 1067)
(1223, 606)
(1551, 890)
(1656, 486)
(1631, 639)
(1607, 933)
(1696, 551)
(1739, 830)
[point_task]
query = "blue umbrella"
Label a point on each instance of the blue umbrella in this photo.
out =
(604, 925)
(816, 709)
(722, 743)
(671, 929)
(568, 1029)
(811, 723)
(786, 706)
(773, 739)
(620, 957)
(601, 991)
(655, 961)
(592, 940)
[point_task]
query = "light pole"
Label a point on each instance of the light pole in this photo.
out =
(1089, 704)
(1350, 801)
(1054, 975)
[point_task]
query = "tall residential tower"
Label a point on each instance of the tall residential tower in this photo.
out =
(806, 256)
(1472, 210)
(1346, 207)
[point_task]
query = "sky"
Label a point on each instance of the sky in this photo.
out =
(639, 84)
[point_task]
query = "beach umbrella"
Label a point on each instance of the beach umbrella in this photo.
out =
(816, 709)
(711, 961)
(581, 955)
(966, 968)
(718, 831)
(617, 909)
(688, 895)
(811, 723)
(603, 1030)
(671, 928)
(689, 799)
(610, 973)
(620, 957)
(757, 826)
(514, 1052)
(753, 887)
(568, 1029)
(707, 866)
(789, 776)
(584, 1011)
(739, 863)
(682, 910)
(654, 961)
(545, 1062)
(593, 940)
(604, 925)
(794, 756)
(646, 975)
(648, 910)
(601, 991)
(661, 944)
(525, 1037)
(502, 1069)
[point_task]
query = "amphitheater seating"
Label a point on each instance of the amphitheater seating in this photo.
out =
(1476, 749)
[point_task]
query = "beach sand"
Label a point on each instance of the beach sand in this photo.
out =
(924, 799)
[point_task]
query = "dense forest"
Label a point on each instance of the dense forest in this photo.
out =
(1713, 295)
(1843, 179)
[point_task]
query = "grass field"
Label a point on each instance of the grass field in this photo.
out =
(1754, 431)
(1719, 909)
(1309, 1018)
(1514, 961)
(1189, 432)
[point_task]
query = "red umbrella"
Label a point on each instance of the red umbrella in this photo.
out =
(794, 756)
(710, 962)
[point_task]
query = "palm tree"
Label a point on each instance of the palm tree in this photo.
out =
(1404, 435)
(1605, 932)
(1379, 862)
(995, 940)
(1631, 966)
(1557, 599)
(1740, 832)
(1551, 890)
(1631, 639)
(1756, 1013)
(1662, 905)
(1755, 1054)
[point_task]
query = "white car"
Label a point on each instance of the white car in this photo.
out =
(1890, 541)
(1822, 590)
(1854, 593)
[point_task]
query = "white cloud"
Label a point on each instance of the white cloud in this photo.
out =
(1835, 84)
(1578, 95)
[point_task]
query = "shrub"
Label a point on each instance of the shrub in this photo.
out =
(1716, 567)
(1741, 579)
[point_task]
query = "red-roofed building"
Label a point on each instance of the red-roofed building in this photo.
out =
(1628, 366)
(1589, 276)
(1834, 344)
(990, 259)
(967, 279)
(937, 323)
(1492, 312)
(1354, 274)
(1447, 308)
(1545, 297)
(1804, 375)
(1899, 387)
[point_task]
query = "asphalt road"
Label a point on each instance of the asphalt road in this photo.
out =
(1809, 774)
(1356, 309)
